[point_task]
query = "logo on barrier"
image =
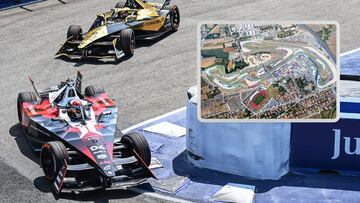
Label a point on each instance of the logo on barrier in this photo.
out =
(347, 150)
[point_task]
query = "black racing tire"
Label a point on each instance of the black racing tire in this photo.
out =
(94, 90)
(52, 157)
(24, 97)
(126, 42)
(138, 142)
(174, 14)
(120, 4)
(75, 32)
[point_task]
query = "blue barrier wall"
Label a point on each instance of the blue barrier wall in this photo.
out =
(326, 146)
(256, 150)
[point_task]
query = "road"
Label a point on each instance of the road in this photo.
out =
(151, 83)
(322, 43)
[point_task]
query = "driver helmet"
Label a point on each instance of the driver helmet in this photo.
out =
(132, 4)
(74, 111)
(75, 102)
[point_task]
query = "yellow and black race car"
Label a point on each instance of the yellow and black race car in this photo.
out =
(113, 33)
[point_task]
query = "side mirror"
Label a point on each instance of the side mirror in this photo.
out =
(104, 113)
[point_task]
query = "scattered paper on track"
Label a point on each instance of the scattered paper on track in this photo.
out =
(171, 185)
(234, 193)
(167, 129)
(155, 163)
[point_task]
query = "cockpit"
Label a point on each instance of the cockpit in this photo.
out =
(134, 4)
(79, 110)
(125, 15)
(71, 103)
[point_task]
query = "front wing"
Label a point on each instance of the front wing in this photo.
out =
(123, 179)
(98, 50)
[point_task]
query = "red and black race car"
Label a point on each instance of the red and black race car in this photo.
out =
(75, 133)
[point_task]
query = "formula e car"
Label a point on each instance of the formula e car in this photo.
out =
(113, 34)
(75, 133)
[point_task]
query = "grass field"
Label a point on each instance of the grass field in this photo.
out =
(258, 99)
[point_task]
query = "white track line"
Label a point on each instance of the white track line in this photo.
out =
(350, 52)
(152, 120)
(157, 196)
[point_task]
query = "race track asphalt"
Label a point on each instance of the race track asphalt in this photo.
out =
(151, 83)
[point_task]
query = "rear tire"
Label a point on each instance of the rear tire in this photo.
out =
(174, 14)
(53, 156)
(94, 90)
(24, 97)
(126, 43)
(120, 5)
(138, 142)
(75, 32)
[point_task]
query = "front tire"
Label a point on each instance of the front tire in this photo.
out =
(94, 90)
(24, 97)
(138, 142)
(75, 32)
(53, 156)
(174, 14)
(126, 43)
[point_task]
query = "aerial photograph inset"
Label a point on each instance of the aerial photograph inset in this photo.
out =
(272, 71)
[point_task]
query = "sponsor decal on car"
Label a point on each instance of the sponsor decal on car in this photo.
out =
(101, 156)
